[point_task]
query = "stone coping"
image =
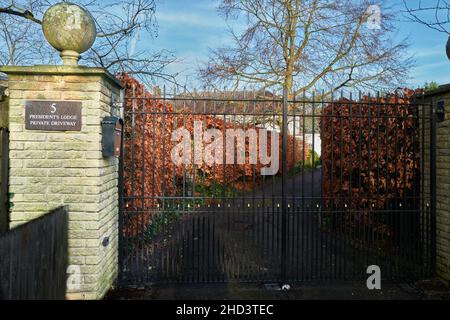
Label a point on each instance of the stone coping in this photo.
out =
(442, 89)
(61, 70)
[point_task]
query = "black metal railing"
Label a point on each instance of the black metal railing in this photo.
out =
(350, 189)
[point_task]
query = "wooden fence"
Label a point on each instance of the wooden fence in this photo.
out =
(33, 259)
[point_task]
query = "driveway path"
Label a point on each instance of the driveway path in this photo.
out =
(241, 240)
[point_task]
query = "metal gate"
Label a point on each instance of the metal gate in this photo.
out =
(204, 200)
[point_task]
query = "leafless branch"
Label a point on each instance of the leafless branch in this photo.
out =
(25, 14)
(435, 14)
(307, 45)
(120, 24)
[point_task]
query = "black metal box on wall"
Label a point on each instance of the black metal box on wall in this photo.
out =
(440, 111)
(111, 136)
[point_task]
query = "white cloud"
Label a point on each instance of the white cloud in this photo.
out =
(432, 71)
(426, 53)
(190, 19)
(427, 67)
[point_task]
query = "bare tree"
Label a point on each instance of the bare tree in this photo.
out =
(119, 24)
(22, 39)
(434, 14)
(306, 45)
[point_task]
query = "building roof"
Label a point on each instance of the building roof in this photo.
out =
(442, 89)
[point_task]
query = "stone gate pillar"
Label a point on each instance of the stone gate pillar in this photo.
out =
(51, 165)
(439, 99)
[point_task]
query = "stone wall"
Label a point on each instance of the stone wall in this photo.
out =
(442, 182)
(53, 168)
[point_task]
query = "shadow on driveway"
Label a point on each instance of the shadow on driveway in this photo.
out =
(234, 291)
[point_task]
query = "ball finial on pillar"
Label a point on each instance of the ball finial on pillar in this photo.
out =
(70, 29)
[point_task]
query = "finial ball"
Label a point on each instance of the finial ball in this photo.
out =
(70, 29)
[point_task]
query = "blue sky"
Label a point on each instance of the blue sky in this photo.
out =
(190, 27)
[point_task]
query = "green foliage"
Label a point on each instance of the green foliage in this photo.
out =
(174, 209)
(311, 163)
(215, 189)
(160, 221)
(433, 85)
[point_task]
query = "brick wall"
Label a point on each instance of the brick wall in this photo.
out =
(443, 183)
(50, 169)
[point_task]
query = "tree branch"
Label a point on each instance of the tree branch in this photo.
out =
(25, 14)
